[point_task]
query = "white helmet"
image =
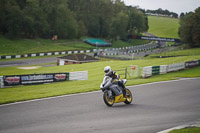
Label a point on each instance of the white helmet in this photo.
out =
(107, 69)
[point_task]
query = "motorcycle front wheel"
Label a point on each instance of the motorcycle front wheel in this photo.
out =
(129, 97)
(108, 101)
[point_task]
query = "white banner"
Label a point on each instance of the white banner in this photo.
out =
(1, 82)
(175, 67)
(147, 71)
(163, 69)
(82, 75)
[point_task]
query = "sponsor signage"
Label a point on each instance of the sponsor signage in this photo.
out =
(154, 38)
(155, 70)
(190, 64)
(34, 79)
(61, 77)
(11, 80)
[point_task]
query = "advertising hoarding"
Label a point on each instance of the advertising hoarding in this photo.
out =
(34, 78)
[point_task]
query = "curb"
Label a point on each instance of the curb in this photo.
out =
(197, 124)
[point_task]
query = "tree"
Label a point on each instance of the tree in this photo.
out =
(182, 15)
(70, 18)
(160, 11)
(189, 30)
(35, 20)
(137, 22)
(11, 18)
(119, 26)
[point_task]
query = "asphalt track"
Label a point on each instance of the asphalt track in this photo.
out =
(156, 107)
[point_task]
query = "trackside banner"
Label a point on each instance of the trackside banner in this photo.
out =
(175, 67)
(34, 78)
(191, 64)
(154, 38)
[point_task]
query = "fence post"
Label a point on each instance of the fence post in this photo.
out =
(125, 72)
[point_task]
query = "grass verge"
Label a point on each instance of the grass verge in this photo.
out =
(187, 130)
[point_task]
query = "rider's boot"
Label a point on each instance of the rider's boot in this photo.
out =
(124, 92)
(123, 88)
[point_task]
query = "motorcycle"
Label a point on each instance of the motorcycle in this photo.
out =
(113, 93)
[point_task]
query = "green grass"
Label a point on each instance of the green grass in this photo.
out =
(95, 76)
(24, 46)
(193, 51)
(163, 26)
(187, 130)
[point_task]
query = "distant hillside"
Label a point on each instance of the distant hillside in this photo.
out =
(163, 26)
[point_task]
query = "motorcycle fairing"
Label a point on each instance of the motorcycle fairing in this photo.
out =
(119, 98)
(116, 89)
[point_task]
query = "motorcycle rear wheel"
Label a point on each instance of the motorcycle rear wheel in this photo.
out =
(108, 101)
(129, 97)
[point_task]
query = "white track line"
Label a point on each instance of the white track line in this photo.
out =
(69, 95)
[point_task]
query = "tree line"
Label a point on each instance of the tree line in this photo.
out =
(162, 12)
(189, 30)
(70, 19)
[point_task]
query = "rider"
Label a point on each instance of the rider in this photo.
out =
(112, 74)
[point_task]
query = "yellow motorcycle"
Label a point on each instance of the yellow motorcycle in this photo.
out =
(113, 93)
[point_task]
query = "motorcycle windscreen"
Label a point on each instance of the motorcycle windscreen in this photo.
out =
(116, 90)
